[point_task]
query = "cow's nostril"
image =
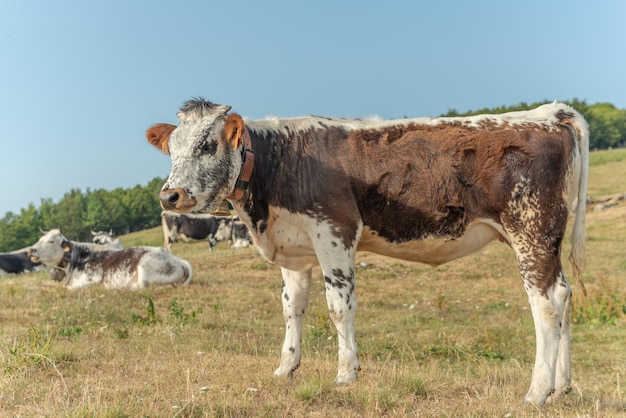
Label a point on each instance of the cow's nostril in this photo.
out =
(173, 198)
(176, 199)
(169, 198)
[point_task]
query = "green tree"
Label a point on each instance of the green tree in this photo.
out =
(105, 210)
(607, 125)
(141, 205)
(68, 215)
(19, 231)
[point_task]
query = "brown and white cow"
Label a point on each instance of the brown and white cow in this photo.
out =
(314, 190)
(83, 264)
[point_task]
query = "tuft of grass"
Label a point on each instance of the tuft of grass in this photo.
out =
(605, 308)
(150, 317)
(179, 316)
(31, 350)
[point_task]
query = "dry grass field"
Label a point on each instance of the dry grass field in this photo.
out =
(453, 341)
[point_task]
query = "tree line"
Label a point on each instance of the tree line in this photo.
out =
(133, 209)
(77, 214)
(607, 124)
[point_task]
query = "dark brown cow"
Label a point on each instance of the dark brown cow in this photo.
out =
(314, 190)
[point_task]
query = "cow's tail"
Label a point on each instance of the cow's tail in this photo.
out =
(577, 255)
(188, 272)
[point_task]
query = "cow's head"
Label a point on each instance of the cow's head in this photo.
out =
(49, 250)
(206, 157)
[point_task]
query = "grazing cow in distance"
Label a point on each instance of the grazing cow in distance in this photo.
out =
(237, 231)
(106, 238)
(314, 190)
(192, 227)
(131, 268)
(17, 263)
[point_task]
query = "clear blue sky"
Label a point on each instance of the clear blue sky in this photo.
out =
(81, 81)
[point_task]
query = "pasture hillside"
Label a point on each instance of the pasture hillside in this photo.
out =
(457, 340)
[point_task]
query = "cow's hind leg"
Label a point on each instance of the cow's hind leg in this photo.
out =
(563, 377)
(295, 299)
(549, 296)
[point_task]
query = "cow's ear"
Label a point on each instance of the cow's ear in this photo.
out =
(66, 246)
(233, 129)
(159, 136)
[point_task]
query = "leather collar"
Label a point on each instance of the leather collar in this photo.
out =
(247, 164)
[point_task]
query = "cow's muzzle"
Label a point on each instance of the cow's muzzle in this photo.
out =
(177, 200)
(32, 254)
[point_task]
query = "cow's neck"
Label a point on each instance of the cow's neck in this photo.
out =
(247, 165)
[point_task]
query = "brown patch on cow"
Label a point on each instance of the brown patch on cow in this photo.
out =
(159, 135)
(440, 178)
(233, 129)
(127, 259)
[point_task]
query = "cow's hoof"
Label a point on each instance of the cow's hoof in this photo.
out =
(537, 399)
(558, 393)
(285, 371)
(345, 378)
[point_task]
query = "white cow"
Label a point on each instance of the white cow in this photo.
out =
(106, 238)
(130, 268)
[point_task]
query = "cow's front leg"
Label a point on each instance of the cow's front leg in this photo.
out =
(338, 271)
(295, 298)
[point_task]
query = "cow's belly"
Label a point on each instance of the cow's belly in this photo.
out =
(287, 242)
(186, 238)
(434, 251)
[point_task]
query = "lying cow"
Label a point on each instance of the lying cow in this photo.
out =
(106, 238)
(314, 190)
(192, 227)
(17, 263)
(131, 268)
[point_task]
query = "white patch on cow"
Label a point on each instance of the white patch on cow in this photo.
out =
(542, 116)
(435, 251)
(289, 243)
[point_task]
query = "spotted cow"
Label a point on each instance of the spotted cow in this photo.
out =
(314, 190)
(79, 265)
(239, 235)
(193, 227)
(106, 238)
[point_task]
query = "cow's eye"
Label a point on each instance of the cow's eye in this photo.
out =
(208, 147)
